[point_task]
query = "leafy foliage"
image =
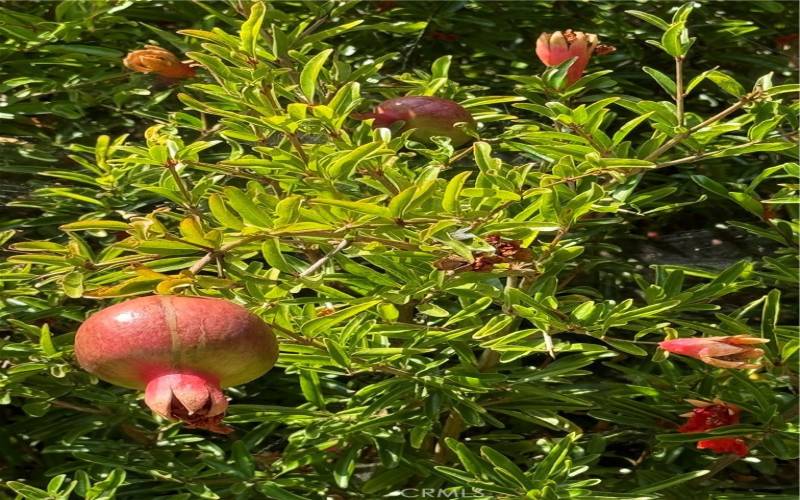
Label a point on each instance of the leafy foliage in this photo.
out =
(478, 321)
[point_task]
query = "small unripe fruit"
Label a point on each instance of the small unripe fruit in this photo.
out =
(181, 350)
(427, 116)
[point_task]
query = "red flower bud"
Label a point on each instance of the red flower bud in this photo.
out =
(153, 59)
(723, 352)
(556, 48)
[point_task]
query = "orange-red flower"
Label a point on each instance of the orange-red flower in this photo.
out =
(555, 48)
(723, 352)
(706, 416)
(153, 59)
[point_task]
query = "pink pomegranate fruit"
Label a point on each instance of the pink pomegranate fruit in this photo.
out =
(427, 116)
(180, 350)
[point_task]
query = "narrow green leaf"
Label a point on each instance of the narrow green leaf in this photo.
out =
(650, 18)
(470, 311)
(220, 212)
(88, 225)
(663, 80)
(317, 325)
(251, 28)
(770, 314)
(505, 466)
(453, 190)
(311, 388)
(671, 40)
(310, 73)
(669, 483)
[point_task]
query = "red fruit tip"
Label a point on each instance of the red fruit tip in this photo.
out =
(193, 399)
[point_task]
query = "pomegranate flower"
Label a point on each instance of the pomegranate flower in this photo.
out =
(723, 352)
(706, 416)
(556, 48)
(154, 59)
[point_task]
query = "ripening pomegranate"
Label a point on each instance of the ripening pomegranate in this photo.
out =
(428, 116)
(181, 350)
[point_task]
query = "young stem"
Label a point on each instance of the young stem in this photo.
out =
(321, 262)
(680, 137)
(679, 89)
(182, 187)
(298, 146)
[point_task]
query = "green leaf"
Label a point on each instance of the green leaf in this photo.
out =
(471, 462)
(671, 40)
(441, 67)
(315, 326)
(650, 18)
(345, 466)
(220, 212)
(251, 28)
(505, 466)
(46, 340)
(625, 346)
(626, 129)
(311, 388)
(246, 207)
(271, 251)
(89, 225)
(470, 311)
(356, 206)
(663, 80)
(28, 492)
(276, 492)
(770, 314)
(452, 192)
(73, 284)
(337, 353)
(105, 489)
(399, 203)
(555, 457)
(726, 83)
(310, 73)
(669, 483)
(343, 166)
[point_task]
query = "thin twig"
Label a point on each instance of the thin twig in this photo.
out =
(298, 146)
(701, 156)
(679, 89)
(209, 256)
(321, 262)
(680, 137)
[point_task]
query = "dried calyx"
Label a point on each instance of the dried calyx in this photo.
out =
(196, 400)
(505, 251)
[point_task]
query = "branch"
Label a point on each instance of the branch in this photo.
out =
(680, 137)
(321, 262)
(208, 257)
(679, 89)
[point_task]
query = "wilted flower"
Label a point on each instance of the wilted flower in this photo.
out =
(707, 416)
(153, 59)
(555, 48)
(723, 352)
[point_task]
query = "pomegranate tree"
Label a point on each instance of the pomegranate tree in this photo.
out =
(427, 116)
(181, 350)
